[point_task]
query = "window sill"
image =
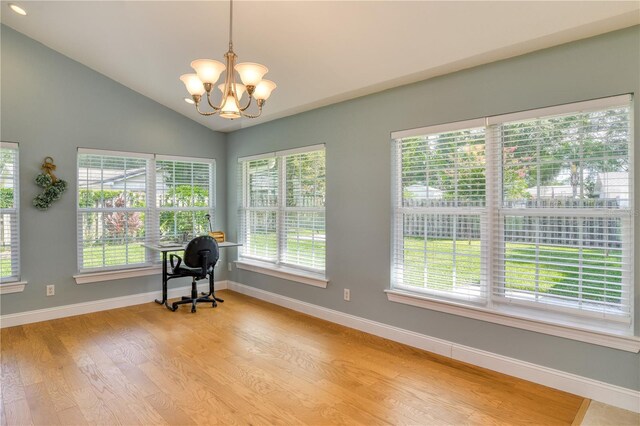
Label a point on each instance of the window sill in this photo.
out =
(13, 287)
(283, 272)
(95, 277)
(613, 339)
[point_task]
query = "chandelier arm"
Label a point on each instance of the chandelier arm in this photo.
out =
(215, 108)
(253, 116)
(205, 113)
(248, 104)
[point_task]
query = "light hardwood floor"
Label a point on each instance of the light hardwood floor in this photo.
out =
(247, 362)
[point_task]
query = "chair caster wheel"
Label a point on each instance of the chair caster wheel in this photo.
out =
(193, 310)
(214, 305)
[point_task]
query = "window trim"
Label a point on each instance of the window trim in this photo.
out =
(16, 284)
(117, 274)
(588, 332)
(284, 272)
(573, 324)
(279, 269)
(150, 266)
(12, 287)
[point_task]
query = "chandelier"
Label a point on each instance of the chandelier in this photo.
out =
(208, 72)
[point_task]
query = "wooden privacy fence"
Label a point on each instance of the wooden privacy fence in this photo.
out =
(600, 231)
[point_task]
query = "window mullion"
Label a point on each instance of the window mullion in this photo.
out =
(281, 243)
(493, 182)
(152, 220)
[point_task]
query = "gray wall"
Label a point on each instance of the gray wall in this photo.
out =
(356, 134)
(51, 105)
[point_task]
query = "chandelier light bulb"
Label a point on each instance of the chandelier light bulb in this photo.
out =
(193, 84)
(208, 70)
(251, 73)
(230, 108)
(264, 89)
(240, 89)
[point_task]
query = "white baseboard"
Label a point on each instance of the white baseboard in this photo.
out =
(627, 399)
(11, 320)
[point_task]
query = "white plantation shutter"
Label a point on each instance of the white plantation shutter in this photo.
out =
(439, 223)
(10, 213)
(565, 231)
(533, 209)
(282, 208)
(185, 194)
(113, 210)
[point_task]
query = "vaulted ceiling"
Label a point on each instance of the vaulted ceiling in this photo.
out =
(318, 52)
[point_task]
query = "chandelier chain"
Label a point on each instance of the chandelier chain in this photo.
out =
(231, 25)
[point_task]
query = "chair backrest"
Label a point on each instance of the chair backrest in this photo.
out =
(195, 248)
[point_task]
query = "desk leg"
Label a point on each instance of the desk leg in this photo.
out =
(164, 282)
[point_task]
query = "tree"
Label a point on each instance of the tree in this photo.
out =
(177, 222)
(305, 180)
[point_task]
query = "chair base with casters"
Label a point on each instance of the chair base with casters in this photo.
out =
(194, 299)
(200, 258)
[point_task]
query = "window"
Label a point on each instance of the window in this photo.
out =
(184, 196)
(532, 209)
(283, 208)
(113, 210)
(441, 213)
(10, 205)
(127, 200)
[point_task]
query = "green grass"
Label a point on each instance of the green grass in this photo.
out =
(299, 250)
(5, 262)
(557, 268)
(5, 267)
(113, 255)
(439, 273)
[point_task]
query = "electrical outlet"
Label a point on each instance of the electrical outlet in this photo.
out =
(347, 294)
(229, 266)
(51, 290)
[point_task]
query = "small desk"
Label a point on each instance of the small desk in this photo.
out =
(166, 248)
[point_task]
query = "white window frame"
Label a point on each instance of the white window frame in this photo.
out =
(152, 211)
(15, 211)
(278, 268)
(569, 323)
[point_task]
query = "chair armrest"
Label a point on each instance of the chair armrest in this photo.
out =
(175, 256)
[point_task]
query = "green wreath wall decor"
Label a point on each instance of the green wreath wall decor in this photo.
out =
(53, 187)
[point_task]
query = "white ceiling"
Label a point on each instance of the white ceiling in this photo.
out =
(318, 52)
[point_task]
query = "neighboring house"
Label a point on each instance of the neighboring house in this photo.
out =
(551, 191)
(608, 185)
(423, 192)
(113, 179)
(613, 185)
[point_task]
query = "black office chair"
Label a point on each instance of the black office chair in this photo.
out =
(200, 257)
